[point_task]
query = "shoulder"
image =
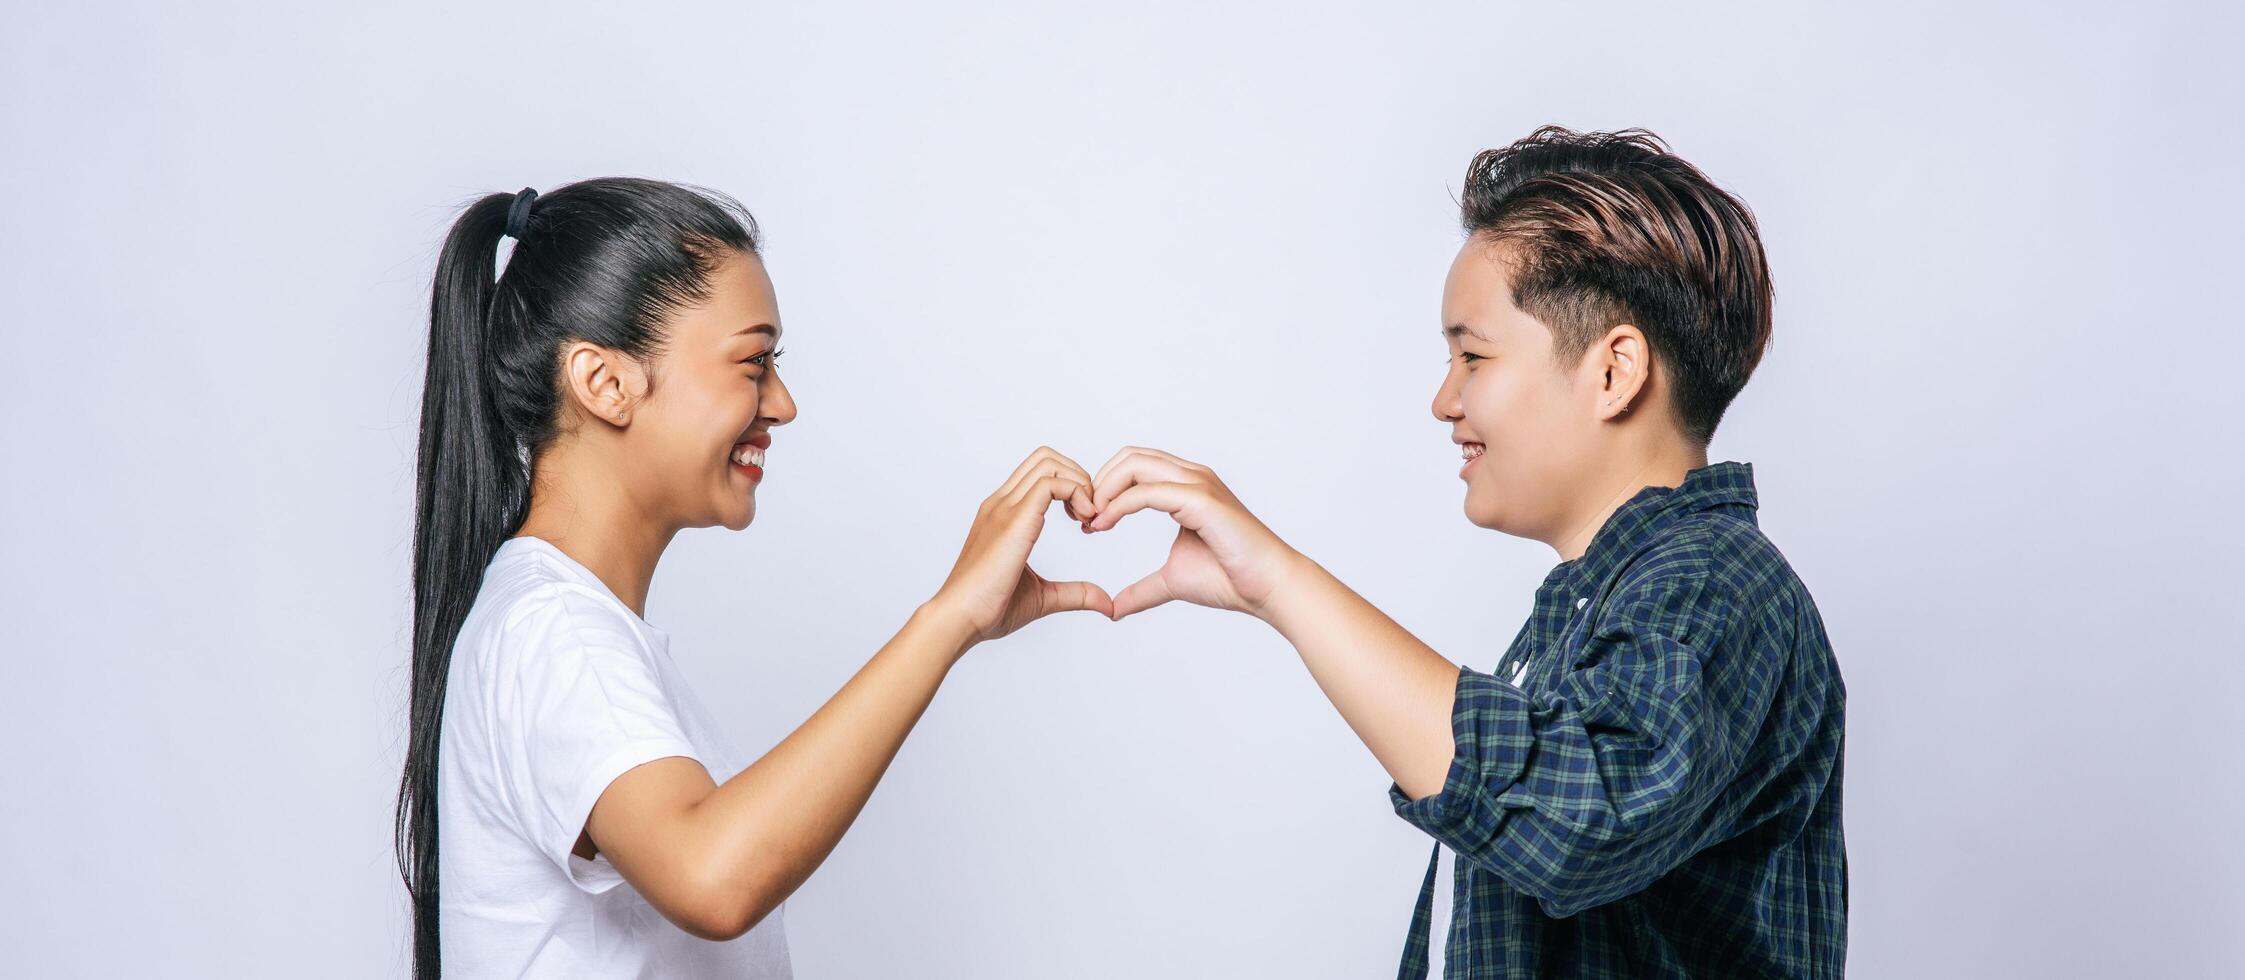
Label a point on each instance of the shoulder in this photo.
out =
(530, 609)
(1710, 568)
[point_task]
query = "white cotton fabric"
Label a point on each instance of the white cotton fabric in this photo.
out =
(556, 688)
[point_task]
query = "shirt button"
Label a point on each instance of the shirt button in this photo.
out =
(1579, 603)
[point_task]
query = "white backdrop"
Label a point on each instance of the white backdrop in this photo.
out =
(1995, 435)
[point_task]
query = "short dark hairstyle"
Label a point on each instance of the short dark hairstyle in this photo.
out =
(1602, 229)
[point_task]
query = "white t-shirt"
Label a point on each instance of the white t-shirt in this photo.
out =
(556, 688)
(1438, 929)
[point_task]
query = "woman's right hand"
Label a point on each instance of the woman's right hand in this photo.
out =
(992, 590)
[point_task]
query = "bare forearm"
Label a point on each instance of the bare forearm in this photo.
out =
(769, 827)
(1393, 690)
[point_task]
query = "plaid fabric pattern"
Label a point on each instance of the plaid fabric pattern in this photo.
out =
(1660, 794)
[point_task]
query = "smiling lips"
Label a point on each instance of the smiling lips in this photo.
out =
(748, 455)
(1471, 451)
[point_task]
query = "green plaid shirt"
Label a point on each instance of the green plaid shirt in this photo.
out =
(1660, 794)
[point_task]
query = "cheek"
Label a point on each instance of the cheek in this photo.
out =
(1521, 410)
(719, 412)
(695, 442)
(1484, 395)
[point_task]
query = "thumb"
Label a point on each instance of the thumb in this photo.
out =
(1144, 594)
(1055, 597)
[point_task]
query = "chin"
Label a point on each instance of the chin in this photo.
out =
(741, 521)
(1481, 514)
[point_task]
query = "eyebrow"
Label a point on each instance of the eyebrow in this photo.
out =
(1460, 328)
(761, 327)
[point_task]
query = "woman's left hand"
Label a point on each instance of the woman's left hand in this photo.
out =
(992, 590)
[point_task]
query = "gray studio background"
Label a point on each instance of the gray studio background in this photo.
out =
(1996, 435)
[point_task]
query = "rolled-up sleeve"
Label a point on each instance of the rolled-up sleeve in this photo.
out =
(1594, 788)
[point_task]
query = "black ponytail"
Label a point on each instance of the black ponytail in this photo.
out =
(606, 261)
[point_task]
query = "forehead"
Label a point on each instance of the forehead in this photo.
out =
(1477, 294)
(740, 299)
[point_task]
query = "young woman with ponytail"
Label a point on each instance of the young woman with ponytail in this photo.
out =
(561, 812)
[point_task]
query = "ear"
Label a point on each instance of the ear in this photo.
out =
(1623, 364)
(604, 382)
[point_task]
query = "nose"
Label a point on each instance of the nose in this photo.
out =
(775, 402)
(1448, 406)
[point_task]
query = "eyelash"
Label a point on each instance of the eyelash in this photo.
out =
(773, 354)
(1469, 357)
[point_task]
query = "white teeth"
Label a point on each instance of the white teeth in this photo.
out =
(750, 456)
(1472, 449)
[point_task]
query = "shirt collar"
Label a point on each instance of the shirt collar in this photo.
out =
(1716, 485)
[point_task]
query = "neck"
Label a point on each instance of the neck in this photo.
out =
(595, 521)
(1617, 483)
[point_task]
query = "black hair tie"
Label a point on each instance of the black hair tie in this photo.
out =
(518, 213)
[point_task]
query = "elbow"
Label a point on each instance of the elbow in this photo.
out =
(1605, 856)
(1571, 891)
(721, 920)
(726, 893)
(1596, 873)
(1568, 902)
(720, 911)
(1586, 871)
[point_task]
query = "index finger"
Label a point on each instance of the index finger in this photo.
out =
(1033, 466)
(1136, 468)
(1053, 488)
(1126, 451)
